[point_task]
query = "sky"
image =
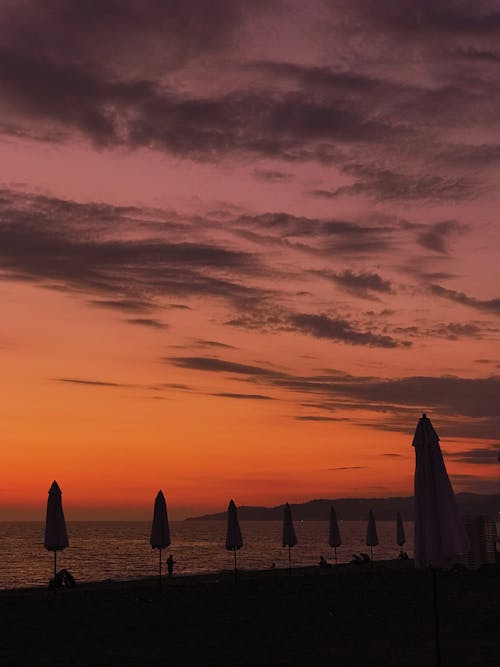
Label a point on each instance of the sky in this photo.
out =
(243, 246)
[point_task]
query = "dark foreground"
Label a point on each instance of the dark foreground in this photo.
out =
(360, 616)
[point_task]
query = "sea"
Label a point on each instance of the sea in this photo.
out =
(118, 550)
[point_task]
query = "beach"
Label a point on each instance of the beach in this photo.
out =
(378, 614)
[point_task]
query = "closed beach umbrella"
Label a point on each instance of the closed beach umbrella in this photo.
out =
(234, 541)
(371, 533)
(334, 533)
(289, 537)
(160, 531)
(440, 536)
(56, 536)
(400, 531)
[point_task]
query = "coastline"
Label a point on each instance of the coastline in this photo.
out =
(356, 615)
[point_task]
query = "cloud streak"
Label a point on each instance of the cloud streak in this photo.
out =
(245, 397)
(213, 364)
(90, 383)
(64, 243)
(485, 305)
(361, 284)
(466, 407)
(337, 329)
(479, 456)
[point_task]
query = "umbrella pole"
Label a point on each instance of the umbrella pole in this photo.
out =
(235, 570)
(436, 618)
(289, 560)
(55, 571)
(335, 551)
(160, 565)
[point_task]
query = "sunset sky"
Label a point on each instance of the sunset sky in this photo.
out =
(243, 246)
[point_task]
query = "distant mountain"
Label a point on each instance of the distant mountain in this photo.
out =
(356, 509)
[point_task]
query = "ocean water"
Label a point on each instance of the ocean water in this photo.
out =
(120, 550)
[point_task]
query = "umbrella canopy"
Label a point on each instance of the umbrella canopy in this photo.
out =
(233, 536)
(160, 531)
(289, 537)
(56, 537)
(334, 534)
(440, 536)
(400, 530)
(371, 531)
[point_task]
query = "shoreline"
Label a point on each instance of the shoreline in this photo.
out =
(216, 576)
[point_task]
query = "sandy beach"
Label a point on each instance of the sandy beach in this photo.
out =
(358, 615)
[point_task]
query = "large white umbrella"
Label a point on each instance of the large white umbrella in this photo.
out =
(289, 537)
(56, 536)
(440, 535)
(400, 531)
(334, 539)
(160, 531)
(371, 533)
(234, 540)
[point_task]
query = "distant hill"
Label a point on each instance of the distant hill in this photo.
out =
(356, 509)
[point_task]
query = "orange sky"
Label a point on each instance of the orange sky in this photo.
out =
(244, 272)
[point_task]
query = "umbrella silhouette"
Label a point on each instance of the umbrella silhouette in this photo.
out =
(371, 533)
(160, 531)
(234, 541)
(440, 536)
(289, 537)
(334, 533)
(56, 536)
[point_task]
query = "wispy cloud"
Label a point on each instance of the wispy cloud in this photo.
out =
(322, 326)
(220, 366)
(199, 342)
(436, 236)
(91, 383)
(366, 101)
(474, 483)
(127, 305)
(448, 330)
(487, 305)
(272, 176)
(464, 407)
(319, 418)
(386, 185)
(250, 397)
(66, 244)
(360, 284)
(479, 455)
(147, 322)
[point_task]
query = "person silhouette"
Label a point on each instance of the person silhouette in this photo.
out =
(170, 565)
(323, 562)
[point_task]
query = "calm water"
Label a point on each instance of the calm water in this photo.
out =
(120, 550)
